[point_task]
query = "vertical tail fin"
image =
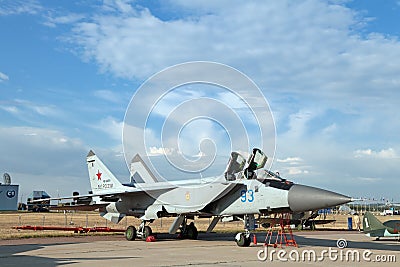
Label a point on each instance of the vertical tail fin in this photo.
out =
(101, 178)
(140, 173)
(371, 223)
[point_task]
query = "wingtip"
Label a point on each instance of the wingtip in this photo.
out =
(91, 153)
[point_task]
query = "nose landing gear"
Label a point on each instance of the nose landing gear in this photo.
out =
(243, 239)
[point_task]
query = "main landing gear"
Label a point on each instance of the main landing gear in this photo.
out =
(143, 232)
(188, 231)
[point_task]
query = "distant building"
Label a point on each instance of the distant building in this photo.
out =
(8, 194)
(8, 197)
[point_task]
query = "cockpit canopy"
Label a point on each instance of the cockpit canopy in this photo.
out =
(238, 167)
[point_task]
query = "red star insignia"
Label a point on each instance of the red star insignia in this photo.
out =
(98, 175)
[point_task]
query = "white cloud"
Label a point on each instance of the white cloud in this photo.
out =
(108, 95)
(39, 158)
(370, 179)
(295, 171)
(63, 19)
(43, 110)
(308, 54)
(10, 109)
(111, 126)
(16, 7)
(157, 151)
(123, 6)
(290, 160)
(389, 153)
(3, 77)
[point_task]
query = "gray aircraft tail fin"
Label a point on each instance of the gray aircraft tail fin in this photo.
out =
(140, 172)
(371, 223)
(101, 178)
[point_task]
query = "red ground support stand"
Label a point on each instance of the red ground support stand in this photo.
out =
(73, 229)
(284, 235)
(270, 231)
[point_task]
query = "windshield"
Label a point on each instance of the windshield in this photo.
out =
(235, 165)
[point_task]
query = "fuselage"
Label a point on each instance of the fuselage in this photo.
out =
(216, 196)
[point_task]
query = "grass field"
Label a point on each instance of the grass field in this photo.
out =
(93, 219)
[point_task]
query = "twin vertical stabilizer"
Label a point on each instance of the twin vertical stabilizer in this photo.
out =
(140, 173)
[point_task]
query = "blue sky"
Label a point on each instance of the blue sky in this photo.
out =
(329, 70)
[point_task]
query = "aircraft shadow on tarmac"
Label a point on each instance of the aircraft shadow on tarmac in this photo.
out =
(383, 244)
(387, 244)
(9, 257)
(9, 253)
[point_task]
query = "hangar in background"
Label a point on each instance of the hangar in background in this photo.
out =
(8, 194)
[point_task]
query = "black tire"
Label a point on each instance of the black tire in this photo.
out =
(313, 226)
(130, 233)
(147, 232)
(247, 241)
(191, 232)
(242, 240)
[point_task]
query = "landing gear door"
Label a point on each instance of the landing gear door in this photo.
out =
(235, 165)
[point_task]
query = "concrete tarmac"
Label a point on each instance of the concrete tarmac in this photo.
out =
(315, 248)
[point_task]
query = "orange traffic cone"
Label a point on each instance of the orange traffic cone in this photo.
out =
(254, 239)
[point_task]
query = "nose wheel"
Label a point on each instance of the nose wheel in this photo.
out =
(243, 239)
(146, 232)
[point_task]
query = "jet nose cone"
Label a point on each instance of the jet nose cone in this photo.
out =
(304, 198)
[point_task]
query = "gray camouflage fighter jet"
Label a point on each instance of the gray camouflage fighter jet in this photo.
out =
(244, 190)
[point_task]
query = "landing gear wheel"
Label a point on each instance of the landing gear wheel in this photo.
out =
(130, 233)
(242, 240)
(146, 232)
(248, 241)
(191, 231)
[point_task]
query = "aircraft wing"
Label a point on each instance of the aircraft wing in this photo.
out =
(112, 194)
(80, 207)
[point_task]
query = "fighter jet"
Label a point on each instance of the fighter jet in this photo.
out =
(244, 190)
(374, 228)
